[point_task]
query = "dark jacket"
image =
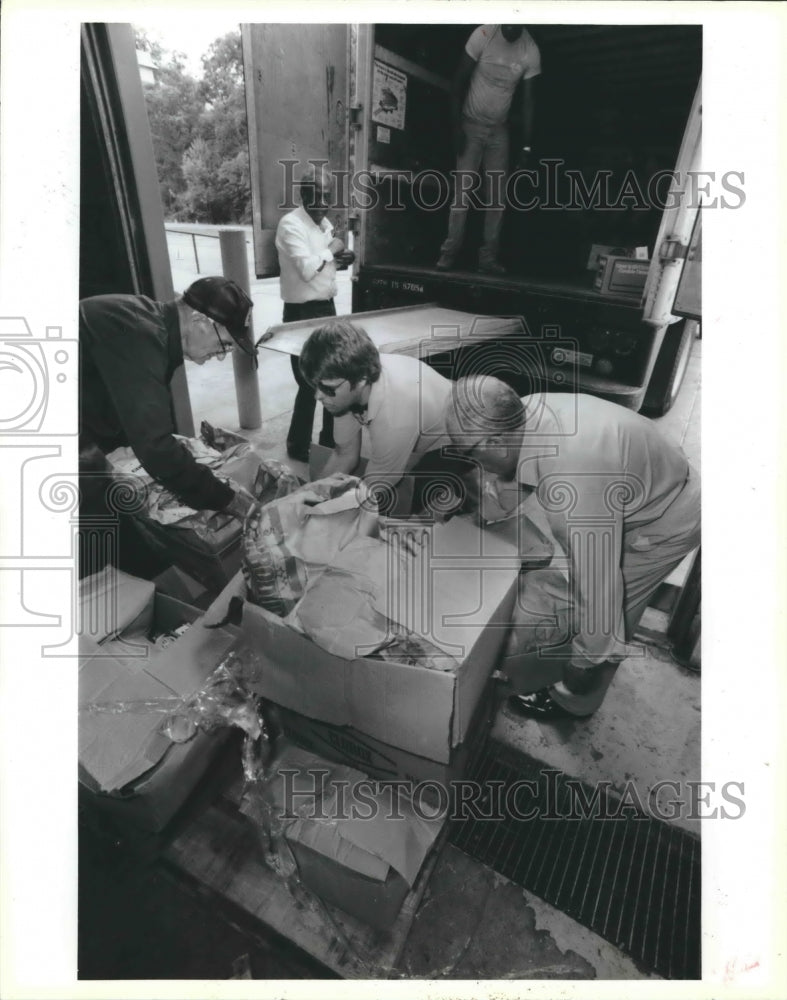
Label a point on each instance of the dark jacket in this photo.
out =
(129, 349)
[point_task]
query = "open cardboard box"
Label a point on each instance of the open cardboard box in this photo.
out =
(132, 769)
(354, 851)
(211, 556)
(463, 593)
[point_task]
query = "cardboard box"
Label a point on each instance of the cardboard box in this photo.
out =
(129, 765)
(346, 745)
(354, 851)
(599, 250)
(463, 592)
(211, 555)
(212, 559)
(621, 276)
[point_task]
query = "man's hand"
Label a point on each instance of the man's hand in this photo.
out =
(345, 258)
(241, 504)
(336, 246)
(409, 533)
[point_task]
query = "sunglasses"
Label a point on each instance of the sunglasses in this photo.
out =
(328, 390)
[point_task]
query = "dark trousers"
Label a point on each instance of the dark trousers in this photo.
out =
(299, 436)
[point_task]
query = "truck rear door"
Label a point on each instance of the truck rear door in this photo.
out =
(677, 244)
(297, 86)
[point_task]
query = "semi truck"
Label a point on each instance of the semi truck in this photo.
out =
(602, 233)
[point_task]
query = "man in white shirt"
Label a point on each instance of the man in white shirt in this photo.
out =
(620, 500)
(398, 401)
(496, 58)
(308, 257)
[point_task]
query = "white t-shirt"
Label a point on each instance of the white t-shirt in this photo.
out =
(303, 246)
(405, 417)
(500, 65)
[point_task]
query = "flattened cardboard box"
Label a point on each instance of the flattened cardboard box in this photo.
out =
(124, 759)
(364, 864)
(464, 588)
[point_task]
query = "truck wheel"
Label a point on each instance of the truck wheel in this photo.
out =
(670, 368)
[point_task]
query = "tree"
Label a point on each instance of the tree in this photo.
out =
(223, 127)
(199, 133)
(174, 105)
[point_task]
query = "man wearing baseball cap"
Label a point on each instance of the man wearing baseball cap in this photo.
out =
(130, 348)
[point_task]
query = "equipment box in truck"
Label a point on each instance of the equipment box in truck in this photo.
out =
(614, 164)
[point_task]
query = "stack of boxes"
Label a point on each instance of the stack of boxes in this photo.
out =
(352, 718)
(128, 680)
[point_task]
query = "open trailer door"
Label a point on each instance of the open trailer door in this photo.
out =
(297, 86)
(673, 292)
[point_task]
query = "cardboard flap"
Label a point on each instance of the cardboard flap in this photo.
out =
(111, 602)
(326, 839)
(186, 664)
(218, 609)
(115, 748)
(99, 672)
(403, 843)
(391, 837)
(118, 745)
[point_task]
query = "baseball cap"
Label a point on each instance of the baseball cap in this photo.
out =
(224, 301)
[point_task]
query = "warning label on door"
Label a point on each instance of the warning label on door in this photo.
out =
(389, 95)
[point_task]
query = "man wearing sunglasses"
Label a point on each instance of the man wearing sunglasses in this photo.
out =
(400, 404)
(130, 347)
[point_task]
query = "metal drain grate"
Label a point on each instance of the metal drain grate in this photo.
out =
(633, 880)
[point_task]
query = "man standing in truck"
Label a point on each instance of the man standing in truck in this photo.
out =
(308, 257)
(621, 502)
(496, 58)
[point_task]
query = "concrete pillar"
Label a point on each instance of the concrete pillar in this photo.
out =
(235, 265)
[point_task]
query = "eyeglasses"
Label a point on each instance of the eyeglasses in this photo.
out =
(328, 390)
(467, 451)
(223, 345)
(198, 320)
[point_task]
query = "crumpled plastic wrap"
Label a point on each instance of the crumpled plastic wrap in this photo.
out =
(225, 699)
(233, 459)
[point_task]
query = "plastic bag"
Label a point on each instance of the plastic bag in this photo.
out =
(282, 543)
(232, 459)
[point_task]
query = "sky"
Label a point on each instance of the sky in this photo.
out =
(191, 36)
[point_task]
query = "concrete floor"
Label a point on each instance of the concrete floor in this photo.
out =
(648, 728)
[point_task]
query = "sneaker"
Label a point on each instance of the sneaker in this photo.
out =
(539, 705)
(445, 263)
(492, 267)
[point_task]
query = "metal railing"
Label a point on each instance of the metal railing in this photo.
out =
(194, 236)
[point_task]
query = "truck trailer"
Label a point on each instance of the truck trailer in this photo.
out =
(601, 239)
